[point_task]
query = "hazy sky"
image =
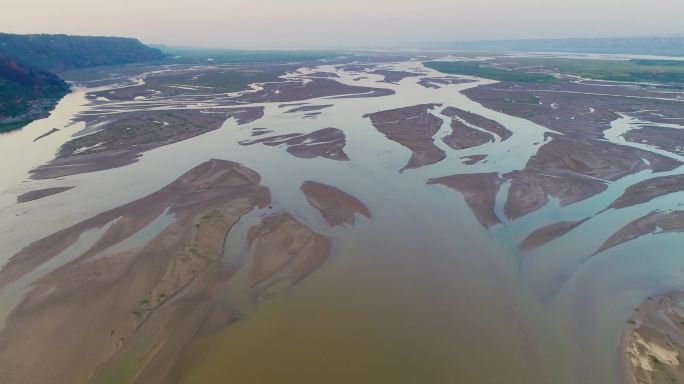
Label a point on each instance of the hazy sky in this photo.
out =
(334, 23)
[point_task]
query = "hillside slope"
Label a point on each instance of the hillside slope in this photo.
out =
(58, 53)
(26, 93)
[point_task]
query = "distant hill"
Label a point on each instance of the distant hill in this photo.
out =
(58, 53)
(26, 93)
(662, 46)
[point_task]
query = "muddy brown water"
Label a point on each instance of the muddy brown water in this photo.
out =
(419, 293)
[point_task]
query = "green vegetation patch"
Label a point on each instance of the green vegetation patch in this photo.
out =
(26, 93)
(481, 69)
(12, 126)
(669, 63)
(644, 71)
(234, 56)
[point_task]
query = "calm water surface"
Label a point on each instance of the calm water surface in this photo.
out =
(420, 293)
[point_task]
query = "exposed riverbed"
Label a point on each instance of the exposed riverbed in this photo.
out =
(418, 290)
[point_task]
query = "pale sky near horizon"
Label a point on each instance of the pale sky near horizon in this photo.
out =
(335, 23)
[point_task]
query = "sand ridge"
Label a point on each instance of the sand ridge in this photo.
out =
(284, 251)
(336, 207)
(412, 127)
(479, 191)
(326, 142)
(79, 319)
(652, 342)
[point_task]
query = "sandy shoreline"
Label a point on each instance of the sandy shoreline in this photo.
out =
(336, 207)
(128, 135)
(548, 233)
(149, 301)
(479, 191)
(414, 128)
(40, 193)
(326, 142)
(656, 222)
(134, 296)
(652, 345)
(463, 136)
(479, 121)
(284, 251)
